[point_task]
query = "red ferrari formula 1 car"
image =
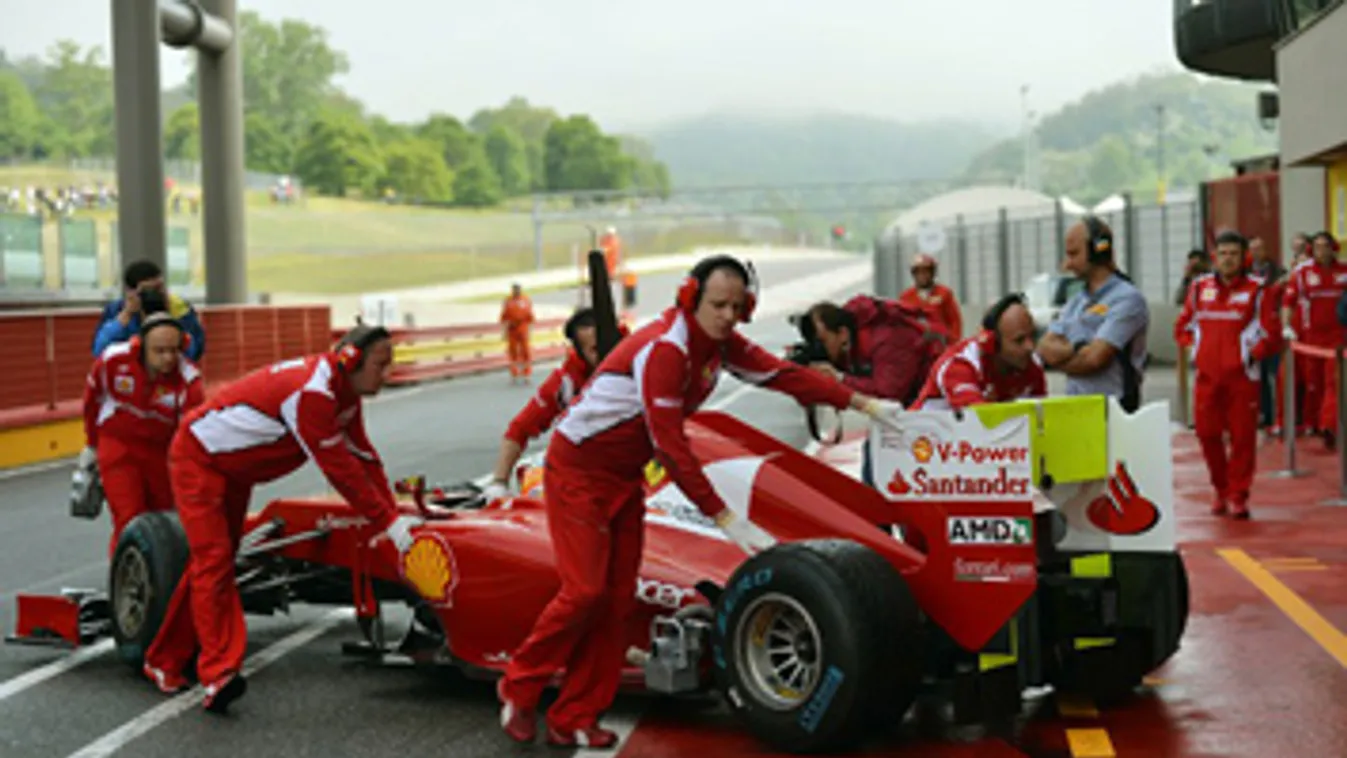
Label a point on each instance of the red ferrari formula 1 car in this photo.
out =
(946, 578)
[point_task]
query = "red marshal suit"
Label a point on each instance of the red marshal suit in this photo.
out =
(1229, 326)
(1312, 293)
(260, 428)
(967, 374)
(129, 419)
(631, 411)
(940, 306)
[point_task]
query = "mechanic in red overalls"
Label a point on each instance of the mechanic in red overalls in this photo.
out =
(1230, 321)
(1310, 316)
(257, 429)
(996, 365)
(936, 300)
(134, 396)
(632, 410)
(555, 395)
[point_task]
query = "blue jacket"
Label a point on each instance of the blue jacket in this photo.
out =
(110, 331)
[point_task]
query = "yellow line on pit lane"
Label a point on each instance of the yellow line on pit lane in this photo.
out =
(1090, 743)
(1329, 637)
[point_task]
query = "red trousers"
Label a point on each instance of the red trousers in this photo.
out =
(205, 611)
(1227, 405)
(597, 528)
(135, 481)
(521, 356)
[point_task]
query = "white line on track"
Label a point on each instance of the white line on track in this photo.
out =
(118, 738)
(12, 687)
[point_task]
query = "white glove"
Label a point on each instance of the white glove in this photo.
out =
(888, 413)
(400, 531)
(495, 491)
(1289, 333)
(746, 534)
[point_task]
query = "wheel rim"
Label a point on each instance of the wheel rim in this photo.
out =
(132, 600)
(779, 651)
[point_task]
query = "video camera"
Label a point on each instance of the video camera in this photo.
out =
(152, 300)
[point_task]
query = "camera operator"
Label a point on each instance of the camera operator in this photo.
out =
(873, 346)
(145, 292)
(996, 365)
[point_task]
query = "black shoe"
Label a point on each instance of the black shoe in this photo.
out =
(219, 700)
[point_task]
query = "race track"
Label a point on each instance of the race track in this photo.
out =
(309, 700)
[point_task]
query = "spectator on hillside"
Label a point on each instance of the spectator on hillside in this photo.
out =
(145, 292)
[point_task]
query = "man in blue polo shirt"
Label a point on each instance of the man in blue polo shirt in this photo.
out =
(144, 292)
(1099, 340)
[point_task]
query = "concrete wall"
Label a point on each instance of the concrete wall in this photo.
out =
(1302, 202)
(1310, 66)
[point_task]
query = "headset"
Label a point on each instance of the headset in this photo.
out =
(1099, 245)
(690, 290)
(158, 319)
(350, 349)
(998, 309)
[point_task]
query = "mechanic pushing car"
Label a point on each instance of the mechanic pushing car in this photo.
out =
(555, 394)
(996, 365)
(878, 347)
(257, 429)
(1099, 340)
(135, 393)
(936, 300)
(633, 410)
(1309, 312)
(1230, 321)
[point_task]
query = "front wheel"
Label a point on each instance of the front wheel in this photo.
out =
(150, 559)
(813, 642)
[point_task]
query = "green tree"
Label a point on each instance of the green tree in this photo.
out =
(416, 170)
(265, 148)
(1111, 165)
(20, 119)
(475, 182)
(455, 141)
(182, 134)
(508, 154)
(527, 121)
(76, 97)
(581, 157)
(388, 133)
(339, 154)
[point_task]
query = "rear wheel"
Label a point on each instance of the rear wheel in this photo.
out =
(146, 567)
(813, 642)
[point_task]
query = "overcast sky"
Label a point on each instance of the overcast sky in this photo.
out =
(634, 62)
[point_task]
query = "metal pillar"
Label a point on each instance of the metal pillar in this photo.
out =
(1288, 366)
(138, 26)
(140, 155)
(220, 101)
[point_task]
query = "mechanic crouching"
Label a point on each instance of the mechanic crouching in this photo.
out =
(632, 410)
(878, 347)
(555, 395)
(1230, 322)
(134, 396)
(996, 365)
(257, 429)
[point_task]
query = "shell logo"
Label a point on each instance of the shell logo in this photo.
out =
(428, 565)
(531, 482)
(922, 450)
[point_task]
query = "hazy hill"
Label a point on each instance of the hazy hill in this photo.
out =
(738, 149)
(1107, 141)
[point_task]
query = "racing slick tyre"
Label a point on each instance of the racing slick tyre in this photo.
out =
(150, 558)
(813, 642)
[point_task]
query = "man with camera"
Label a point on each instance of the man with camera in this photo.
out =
(145, 292)
(996, 365)
(876, 347)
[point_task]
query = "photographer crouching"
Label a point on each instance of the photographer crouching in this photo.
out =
(872, 345)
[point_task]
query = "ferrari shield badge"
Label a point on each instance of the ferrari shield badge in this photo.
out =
(428, 565)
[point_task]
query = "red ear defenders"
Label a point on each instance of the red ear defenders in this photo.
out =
(156, 320)
(690, 290)
(350, 349)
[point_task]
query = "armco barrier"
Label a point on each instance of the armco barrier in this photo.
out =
(441, 352)
(41, 394)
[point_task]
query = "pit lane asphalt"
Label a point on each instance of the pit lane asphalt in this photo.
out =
(312, 701)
